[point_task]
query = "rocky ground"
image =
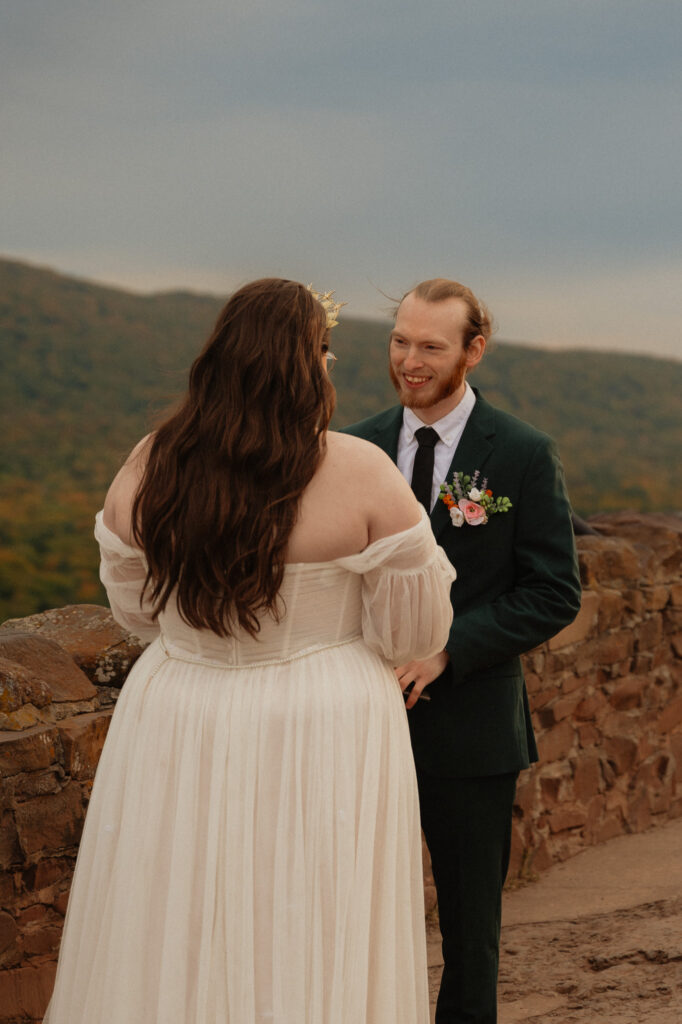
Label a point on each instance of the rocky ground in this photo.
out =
(596, 940)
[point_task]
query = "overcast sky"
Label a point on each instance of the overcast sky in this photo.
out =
(529, 148)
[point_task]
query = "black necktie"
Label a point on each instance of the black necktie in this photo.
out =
(422, 473)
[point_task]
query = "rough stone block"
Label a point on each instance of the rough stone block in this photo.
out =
(595, 811)
(634, 601)
(582, 626)
(676, 644)
(539, 700)
(611, 608)
(649, 633)
(556, 742)
(618, 561)
(43, 941)
(100, 647)
(32, 750)
(621, 751)
(536, 660)
(656, 597)
(567, 818)
(554, 782)
(526, 795)
(676, 595)
(36, 913)
(83, 738)
(550, 787)
(25, 991)
(19, 686)
(61, 902)
(572, 682)
(620, 668)
(639, 812)
(607, 560)
(38, 783)
(588, 735)
(660, 801)
(25, 717)
(557, 710)
(611, 826)
(7, 888)
(657, 770)
(46, 660)
(587, 776)
(47, 872)
(672, 618)
(586, 659)
(629, 693)
(671, 716)
(676, 752)
(614, 647)
(641, 665)
(51, 822)
(588, 708)
(10, 851)
(540, 857)
(8, 931)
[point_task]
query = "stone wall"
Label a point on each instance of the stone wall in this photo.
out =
(56, 699)
(606, 696)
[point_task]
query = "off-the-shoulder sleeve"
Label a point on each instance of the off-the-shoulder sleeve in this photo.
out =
(406, 608)
(123, 571)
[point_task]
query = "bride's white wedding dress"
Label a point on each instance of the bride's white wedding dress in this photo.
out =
(252, 851)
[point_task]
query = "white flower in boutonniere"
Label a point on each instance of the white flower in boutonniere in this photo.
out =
(468, 503)
(457, 516)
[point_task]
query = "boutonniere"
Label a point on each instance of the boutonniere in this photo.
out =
(469, 503)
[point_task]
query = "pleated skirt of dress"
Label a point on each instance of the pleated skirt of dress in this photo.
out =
(252, 852)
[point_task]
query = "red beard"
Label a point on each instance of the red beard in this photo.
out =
(447, 387)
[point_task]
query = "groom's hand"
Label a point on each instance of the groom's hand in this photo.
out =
(421, 673)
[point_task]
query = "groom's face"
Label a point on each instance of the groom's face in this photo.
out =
(428, 362)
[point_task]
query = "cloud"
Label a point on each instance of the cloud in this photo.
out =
(376, 141)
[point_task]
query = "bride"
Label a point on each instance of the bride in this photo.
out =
(252, 847)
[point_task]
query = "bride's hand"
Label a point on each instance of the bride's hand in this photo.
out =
(421, 673)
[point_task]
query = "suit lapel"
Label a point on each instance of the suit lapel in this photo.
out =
(472, 452)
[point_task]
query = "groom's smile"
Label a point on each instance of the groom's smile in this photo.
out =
(428, 361)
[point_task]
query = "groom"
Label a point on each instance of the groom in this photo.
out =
(517, 584)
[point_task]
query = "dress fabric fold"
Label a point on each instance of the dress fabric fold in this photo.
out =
(252, 848)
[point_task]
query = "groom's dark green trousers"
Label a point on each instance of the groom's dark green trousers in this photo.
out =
(517, 584)
(468, 831)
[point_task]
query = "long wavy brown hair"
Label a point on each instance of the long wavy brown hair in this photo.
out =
(224, 475)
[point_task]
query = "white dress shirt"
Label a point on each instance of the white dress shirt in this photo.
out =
(449, 429)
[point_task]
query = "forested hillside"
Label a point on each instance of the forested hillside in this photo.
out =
(86, 369)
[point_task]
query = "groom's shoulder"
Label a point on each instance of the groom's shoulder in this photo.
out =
(373, 425)
(511, 428)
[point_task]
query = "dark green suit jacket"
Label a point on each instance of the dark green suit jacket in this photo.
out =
(517, 584)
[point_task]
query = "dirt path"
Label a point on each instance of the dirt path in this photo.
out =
(597, 940)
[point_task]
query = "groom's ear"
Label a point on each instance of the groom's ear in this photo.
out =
(474, 352)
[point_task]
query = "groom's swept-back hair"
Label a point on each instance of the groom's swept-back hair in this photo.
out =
(479, 320)
(224, 474)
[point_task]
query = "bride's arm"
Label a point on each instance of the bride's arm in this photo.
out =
(118, 503)
(123, 569)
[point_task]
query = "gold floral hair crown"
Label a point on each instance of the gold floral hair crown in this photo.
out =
(331, 308)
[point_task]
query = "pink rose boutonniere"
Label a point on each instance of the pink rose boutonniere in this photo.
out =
(470, 504)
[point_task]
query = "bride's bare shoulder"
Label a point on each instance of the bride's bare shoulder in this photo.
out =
(367, 476)
(356, 454)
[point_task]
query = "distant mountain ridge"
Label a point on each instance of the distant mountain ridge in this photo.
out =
(87, 367)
